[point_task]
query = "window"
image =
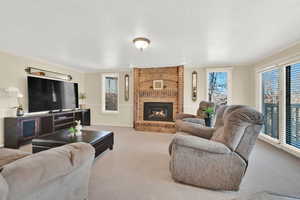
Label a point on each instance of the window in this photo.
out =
(110, 94)
(280, 103)
(270, 101)
(218, 86)
(293, 105)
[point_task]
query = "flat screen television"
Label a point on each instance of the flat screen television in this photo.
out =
(51, 95)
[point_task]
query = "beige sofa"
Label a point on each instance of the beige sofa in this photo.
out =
(219, 162)
(57, 174)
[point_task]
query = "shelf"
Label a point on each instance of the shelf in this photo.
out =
(63, 118)
(63, 124)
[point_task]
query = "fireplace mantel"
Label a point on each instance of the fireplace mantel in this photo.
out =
(172, 92)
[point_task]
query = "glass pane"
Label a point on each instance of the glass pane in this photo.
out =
(218, 87)
(111, 93)
(293, 105)
(270, 102)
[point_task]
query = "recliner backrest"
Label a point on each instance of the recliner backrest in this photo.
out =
(237, 127)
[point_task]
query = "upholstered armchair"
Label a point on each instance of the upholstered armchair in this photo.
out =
(191, 124)
(219, 162)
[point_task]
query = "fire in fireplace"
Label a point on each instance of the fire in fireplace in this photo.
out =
(158, 111)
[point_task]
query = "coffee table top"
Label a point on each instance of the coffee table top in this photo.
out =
(65, 137)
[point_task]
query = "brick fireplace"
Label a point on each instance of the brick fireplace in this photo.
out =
(155, 109)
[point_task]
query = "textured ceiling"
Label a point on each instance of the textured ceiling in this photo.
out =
(98, 34)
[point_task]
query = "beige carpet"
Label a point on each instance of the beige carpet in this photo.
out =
(137, 169)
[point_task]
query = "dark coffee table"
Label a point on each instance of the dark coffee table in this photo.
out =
(100, 140)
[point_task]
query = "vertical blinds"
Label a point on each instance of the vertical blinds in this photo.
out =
(293, 105)
(270, 101)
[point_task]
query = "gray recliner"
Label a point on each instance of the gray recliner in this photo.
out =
(191, 124)
(219, 162)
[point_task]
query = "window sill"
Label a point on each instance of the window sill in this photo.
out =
(110, 112)
(276, 143)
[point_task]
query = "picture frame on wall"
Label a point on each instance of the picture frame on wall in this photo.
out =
(158, 84)
(126, 90)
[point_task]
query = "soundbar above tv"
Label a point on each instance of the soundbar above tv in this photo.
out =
(51, 95)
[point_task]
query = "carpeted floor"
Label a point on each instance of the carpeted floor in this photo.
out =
(137, 169)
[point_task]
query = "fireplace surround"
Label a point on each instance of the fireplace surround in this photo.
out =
(155, 109)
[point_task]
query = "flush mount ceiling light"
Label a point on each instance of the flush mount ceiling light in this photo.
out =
(141, 43)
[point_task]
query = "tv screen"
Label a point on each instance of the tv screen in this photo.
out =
(48, 95)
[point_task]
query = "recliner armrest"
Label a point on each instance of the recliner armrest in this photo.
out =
(195, 129)
(200, 144)
(184, 115)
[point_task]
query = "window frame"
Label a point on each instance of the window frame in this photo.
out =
(104, 76)
(229, 84)
(280, 105)
(281, 142)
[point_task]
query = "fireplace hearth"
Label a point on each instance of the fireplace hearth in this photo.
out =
(158, 111)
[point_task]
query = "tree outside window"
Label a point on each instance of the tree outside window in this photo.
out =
(218, 87)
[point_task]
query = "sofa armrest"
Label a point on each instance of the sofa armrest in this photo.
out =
(184, 115)
(200, 144)
(30, 173)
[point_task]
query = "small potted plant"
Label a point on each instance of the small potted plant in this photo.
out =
(73, 131)
(82, 97)
(208, 115)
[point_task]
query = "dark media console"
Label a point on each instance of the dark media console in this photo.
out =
(20, 130)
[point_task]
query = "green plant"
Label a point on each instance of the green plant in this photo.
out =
(72, 130)
(209, 110)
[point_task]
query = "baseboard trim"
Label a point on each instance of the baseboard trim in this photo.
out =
(287, 148)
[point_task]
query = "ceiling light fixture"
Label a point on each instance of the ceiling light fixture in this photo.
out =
(141, 43)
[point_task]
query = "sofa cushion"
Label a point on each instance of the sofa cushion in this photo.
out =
(3, 188)
(10, 155)
(194, 120)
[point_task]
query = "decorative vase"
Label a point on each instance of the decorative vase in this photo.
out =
(207, 120)
(20, 112)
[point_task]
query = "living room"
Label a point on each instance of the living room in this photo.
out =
(150, 100)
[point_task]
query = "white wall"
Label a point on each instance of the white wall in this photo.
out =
(284, 56)
(12, 74)
(242, 90)
(93, 90)
(281, 58)
(242, 86)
